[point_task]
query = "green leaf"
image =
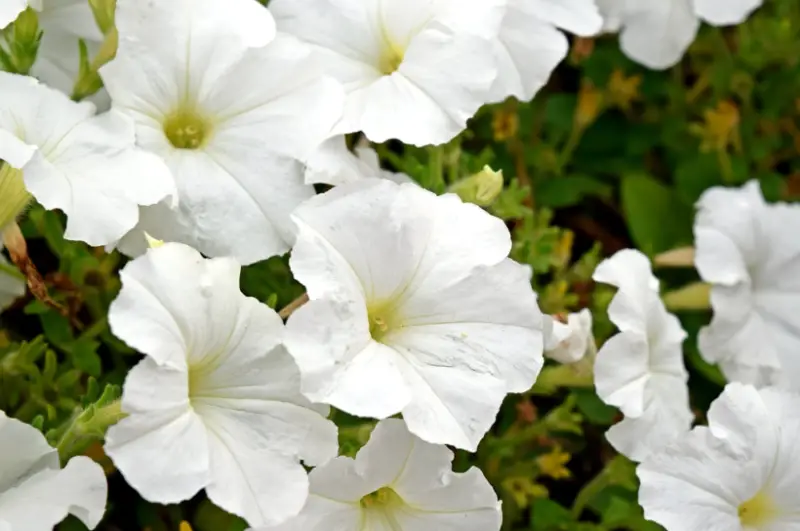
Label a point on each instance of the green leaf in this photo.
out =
(594, 409)
(548, 515)
(658, 219)
(569, 190)
(85, 357)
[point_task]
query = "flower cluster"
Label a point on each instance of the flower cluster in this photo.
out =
(200, 155)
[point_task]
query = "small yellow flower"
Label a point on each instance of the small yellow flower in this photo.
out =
(184, 526)
(505, 124)
(623, 90)
(720, 128)
(590, 105)
(523, 490)
(552, 464)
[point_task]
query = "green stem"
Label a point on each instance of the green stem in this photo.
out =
(436, 168)
(82, 431)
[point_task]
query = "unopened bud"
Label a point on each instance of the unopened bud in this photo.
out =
(103, 11)
(481, 188)
(14, 197)
(25, 43)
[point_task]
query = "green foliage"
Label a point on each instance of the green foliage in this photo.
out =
(609, 155)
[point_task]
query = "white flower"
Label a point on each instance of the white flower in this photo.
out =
(568, 342)
(334, 164)
(656, 33)
(63, 24)
(742, 472)
(415, 308)
(640, 370)
(530, 46)
(224, 103)
(12, 284)
(35, 493)
(86, 165)
(216, 403)
(397, 482)
(747, 250)
(413, 70)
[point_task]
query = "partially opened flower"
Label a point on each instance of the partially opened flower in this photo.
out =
(63, 24)
(656, 33)
(397, 482)
(334, 164)
(568, 342)
(415, 71)
(12, 283)
(530, 46)
(415, 308)
(640, 370)
(742, 472)
(752, 261)
(35, 492)
(70, 159)
(227, 106)
(216, 404)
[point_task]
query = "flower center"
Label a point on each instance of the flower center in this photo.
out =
(383, 319)
(757, 511)
(187, 129)
(391, 58)
(381, 498)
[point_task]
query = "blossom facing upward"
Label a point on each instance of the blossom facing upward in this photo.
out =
(640, 370)
(568, 342)
(414, 308)
(751, 260)
(216, 402)
(530, 44)
(228, 106)
(413, 70)
(397, 482)
(35, 492)
(656, 33)
(85, 165)
(739, 473)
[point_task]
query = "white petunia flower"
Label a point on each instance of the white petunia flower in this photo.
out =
(640, 370)
(415, 70)
(747, 251)
(397, 482)
(656, 33)
(12, 283)
(86, 165)
(415, 308)
(216, 403)
(35, 492)
(334, 164)
(568, 342)
(530, 46)
(740, 473)
(227, 106)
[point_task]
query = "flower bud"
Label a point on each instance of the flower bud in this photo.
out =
(481, 188)
(14, 197)
(25, 43)
(103, 11)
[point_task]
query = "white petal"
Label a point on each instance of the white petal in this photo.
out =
(99, 180)
(9, 11)
(629, 270)
(621, 372)
(334, 164)
(161, 447)
(580, 17)
(657, 33)
(42, 500)
(726, 12)
(570, 342)
(443, 80)
(527, 51)
(23, 450)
